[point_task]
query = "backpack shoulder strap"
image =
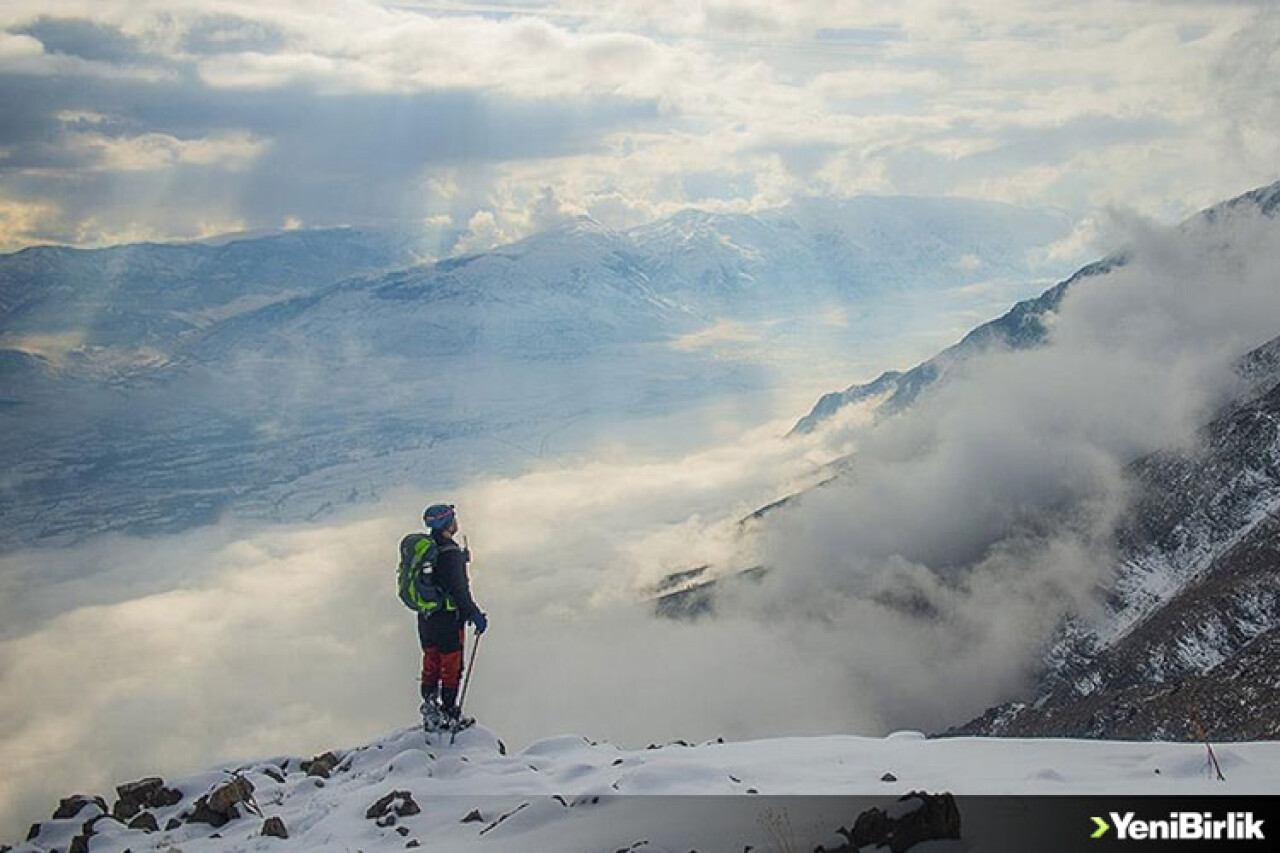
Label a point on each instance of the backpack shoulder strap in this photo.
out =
(414, 549)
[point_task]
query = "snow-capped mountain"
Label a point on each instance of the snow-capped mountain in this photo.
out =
(129, 298)
(287, 375)
(572, 793)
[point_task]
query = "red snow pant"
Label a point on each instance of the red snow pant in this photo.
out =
(442, 667)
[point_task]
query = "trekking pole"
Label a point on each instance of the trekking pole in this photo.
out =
(466, 682)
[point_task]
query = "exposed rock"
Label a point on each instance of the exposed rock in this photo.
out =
(395, 805)
(80, 844)
(272, 773)
(931, 818)
(274, 827)
(146, 822)
(173, 824)
(473, 817)
(149, 793)
(322, 765)
(74, 804)
(222, 804)
(888, 777)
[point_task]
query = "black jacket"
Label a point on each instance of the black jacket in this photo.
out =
(442, 628)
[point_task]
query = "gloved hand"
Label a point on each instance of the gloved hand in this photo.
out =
(481, 622)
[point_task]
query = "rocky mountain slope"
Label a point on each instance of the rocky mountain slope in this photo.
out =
(1193, 621)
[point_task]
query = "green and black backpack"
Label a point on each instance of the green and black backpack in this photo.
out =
(415, 577)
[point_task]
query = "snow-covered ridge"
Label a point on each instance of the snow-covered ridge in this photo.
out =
(568, 792)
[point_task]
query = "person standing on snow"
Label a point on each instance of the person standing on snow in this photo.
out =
(442, 632)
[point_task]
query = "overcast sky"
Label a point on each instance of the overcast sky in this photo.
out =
(177, 119)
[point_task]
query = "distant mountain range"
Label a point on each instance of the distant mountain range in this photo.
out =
(292, 373)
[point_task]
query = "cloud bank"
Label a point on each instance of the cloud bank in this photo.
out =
(173, 120)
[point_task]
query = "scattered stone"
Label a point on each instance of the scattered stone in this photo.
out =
(274, 827)
(888, 777)
(473, 817)
(322, 765)
(617, 761)
(395, 804)
(934, 817)
(146, 822)
(403, 831)
(80, 844)
(272, 773)
(222, 804)
(173, 824)
(74, 804)
(413, 843)
(502, 748)
(149, 793)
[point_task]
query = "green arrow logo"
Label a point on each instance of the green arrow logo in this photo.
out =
(1103, 826)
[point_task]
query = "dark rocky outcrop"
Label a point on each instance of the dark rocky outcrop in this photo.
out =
(223, 804)
(322, 766)
(390, 808)
(274, 827)
(149, 793)
(80, 844)
(71, 806)
(916, 817)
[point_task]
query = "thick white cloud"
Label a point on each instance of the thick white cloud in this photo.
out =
(1077, 105)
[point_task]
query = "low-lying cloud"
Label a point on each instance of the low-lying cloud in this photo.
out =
(125, 656)
(912, 592)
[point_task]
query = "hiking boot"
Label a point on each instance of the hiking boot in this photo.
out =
(433, 718)
(453, 719)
